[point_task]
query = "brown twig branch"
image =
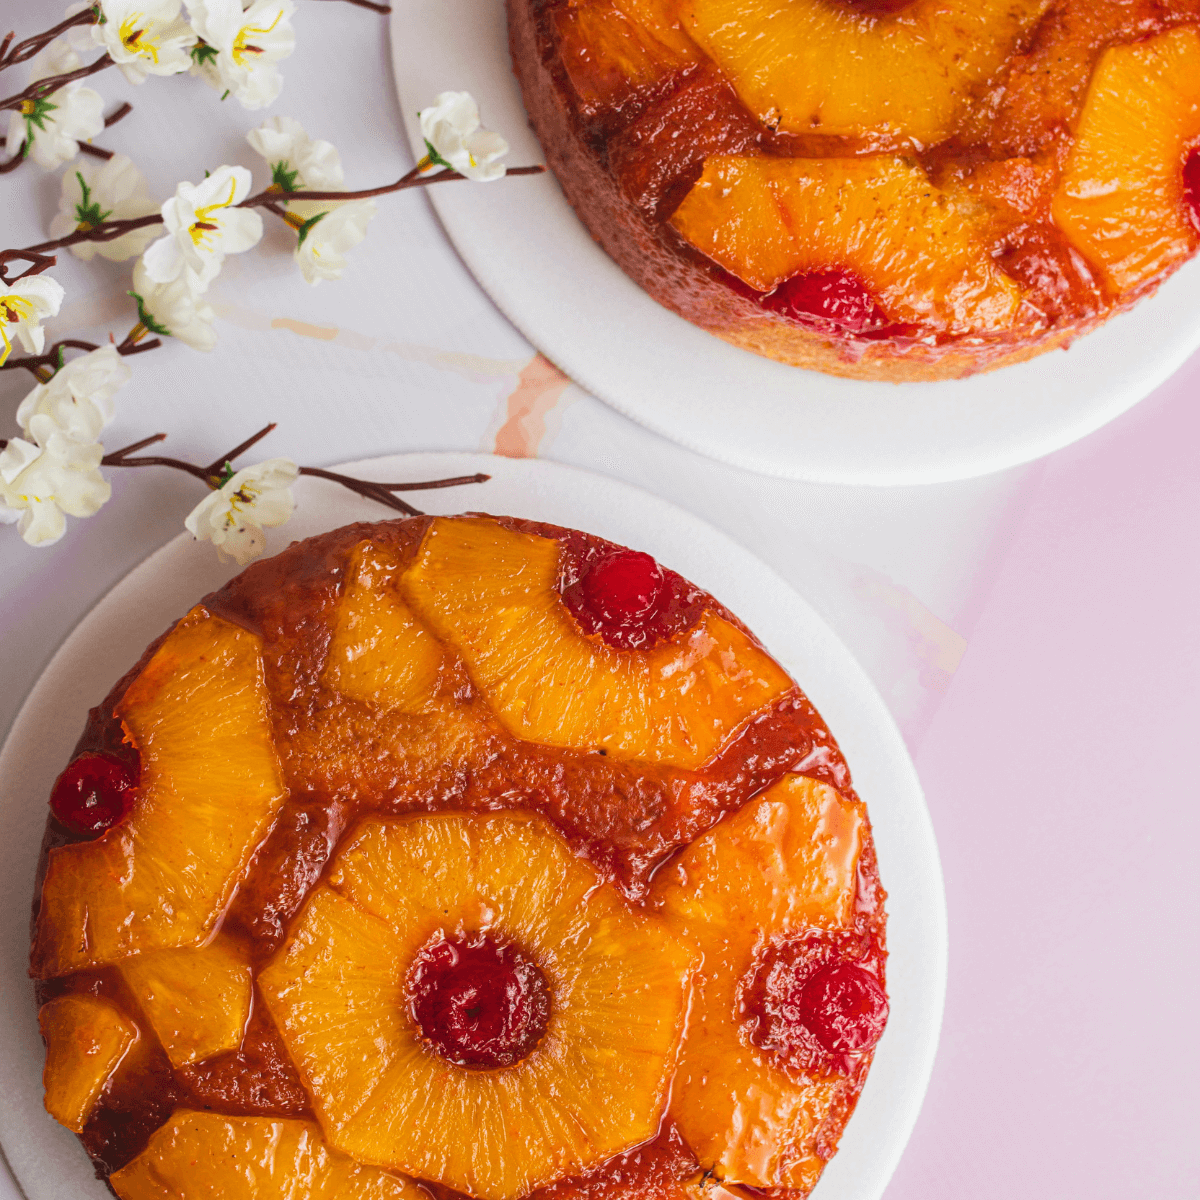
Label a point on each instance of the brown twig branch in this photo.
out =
(36, 364)
(214, 468)
(107, 232)
(39, 263)
(270, 200)
(43, 87)
(411, 180)
(17, 159)
(120, 458)
(383, 493)
(118, 114)
(379, 8)
(25, 50)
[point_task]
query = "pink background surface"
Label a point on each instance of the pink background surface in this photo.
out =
(1060, 770)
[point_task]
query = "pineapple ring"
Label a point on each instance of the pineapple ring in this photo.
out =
(490, 592)
(597, 1082)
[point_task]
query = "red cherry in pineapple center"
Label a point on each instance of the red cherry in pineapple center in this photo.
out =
(624, 589)
(1191, 187)
(844, 1008)
(478, 1002)
(804, 1000)
(835, 300)
(94, 793)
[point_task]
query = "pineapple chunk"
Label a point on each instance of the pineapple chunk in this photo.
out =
(818, 66)
(210, 787)
(786, 862)
(489, 591)
(925, 261)
(660, 18)
(595, 1084)
(203, 1155)
(613, 49)
(86, 1039)
(380, 653)
(1121, 201)
(196, 1000)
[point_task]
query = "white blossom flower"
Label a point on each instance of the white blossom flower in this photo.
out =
(301, 163)
(24, 305)
(234, 516)
(51, 127)
(325, 238)
(204, 224)
(297, 161)
(240, 48)
(42, 484)
(77, 400)
(176, 309)
(95, 192)
(454, 138)
(145, 37)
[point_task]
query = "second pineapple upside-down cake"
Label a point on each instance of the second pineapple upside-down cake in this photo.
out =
(457, 856)
(884, 189)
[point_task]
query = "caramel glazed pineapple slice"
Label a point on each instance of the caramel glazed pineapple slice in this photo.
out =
(469, 1004)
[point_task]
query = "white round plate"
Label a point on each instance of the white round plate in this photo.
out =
(49, 1162)
(523, 243)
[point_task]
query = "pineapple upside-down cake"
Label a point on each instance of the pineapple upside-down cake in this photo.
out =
(457, 857)
(883, 189)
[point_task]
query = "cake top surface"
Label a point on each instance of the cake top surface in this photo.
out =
(910, 176)
(412, 850)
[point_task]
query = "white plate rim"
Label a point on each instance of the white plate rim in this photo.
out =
(48, 1162)
(537, 262)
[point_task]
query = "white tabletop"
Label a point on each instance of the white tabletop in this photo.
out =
(406, 353)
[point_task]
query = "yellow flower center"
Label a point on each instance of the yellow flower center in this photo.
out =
(242, 44)
(27, 107)
(202, 226)
(244, 496)
(132, 35)
(12, 310)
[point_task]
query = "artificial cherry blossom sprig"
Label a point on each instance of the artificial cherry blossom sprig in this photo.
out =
(245, 502)
(233, 47)
(107, 210)
(54, 470)
(272, 199)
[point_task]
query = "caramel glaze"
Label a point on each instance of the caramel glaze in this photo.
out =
(341, 760)
(627, 164)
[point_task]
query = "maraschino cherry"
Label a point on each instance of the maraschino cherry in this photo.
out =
(94, 793)
(844, 1008)
(1191, 187)
(807, 1001)
(624, 588)
(835, 300)
(479, 1002)
(623, 597)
